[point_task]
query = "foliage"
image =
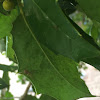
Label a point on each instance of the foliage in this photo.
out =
(22, 79)
(2, 84)
(47, 45)
(9, 95)
(43, 97)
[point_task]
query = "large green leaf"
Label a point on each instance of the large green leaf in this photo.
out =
(49, 71)
(91, 8)
(51, 74)
(54, 30)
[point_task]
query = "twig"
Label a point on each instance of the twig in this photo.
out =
(25, 93)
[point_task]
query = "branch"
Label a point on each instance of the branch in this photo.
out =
(26, 91)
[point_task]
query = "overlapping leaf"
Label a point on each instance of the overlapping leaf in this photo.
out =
(8, 96)
(3, 84)
(91, 8)
(43, 97)
(51, 74)
(7, 68)
(54, 30)
(44, 29)
(9, 51)
(95, 32)
(44, 40)
(6, 78)
(6, 23)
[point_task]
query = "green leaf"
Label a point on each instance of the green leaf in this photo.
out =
(6, 23)
(8, 68)
(2, 45)
(91, 8)
(54, 30)
(22, 79)
(9, 96)
(2, 84)
(6, 78)
(84, 35)
(29, 97)
(43, 97)
(9, 51)
(67, 6)
(95, 32)
(52, 74)
(46, 97)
